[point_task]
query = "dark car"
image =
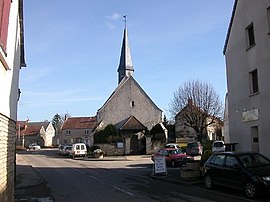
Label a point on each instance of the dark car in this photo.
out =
(194, 148)
(174, 157)
(248, 171)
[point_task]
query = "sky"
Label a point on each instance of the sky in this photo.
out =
(72, 51)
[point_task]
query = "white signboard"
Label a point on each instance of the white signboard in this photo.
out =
(251, 115)
(160, 165)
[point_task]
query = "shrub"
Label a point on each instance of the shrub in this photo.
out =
(108, 135)
(205, 156)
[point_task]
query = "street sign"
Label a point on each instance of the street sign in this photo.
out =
(160, 166)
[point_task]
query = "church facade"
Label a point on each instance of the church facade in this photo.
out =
(129, 108)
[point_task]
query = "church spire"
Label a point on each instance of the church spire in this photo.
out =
(125, 66)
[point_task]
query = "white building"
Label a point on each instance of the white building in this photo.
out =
(11, 60)
(247, 53)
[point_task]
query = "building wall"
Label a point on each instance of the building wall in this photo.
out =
(48, 135)
(9, 79)
(240, 61)
(70, 136)
(120, 107)
(7, 157)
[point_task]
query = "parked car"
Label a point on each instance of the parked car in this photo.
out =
(248, 171)
(194, 148)
(172, 145)
(60, 149)
(78, 150)
(64, 149)
(218, 146)
(67, 150)
(34, 146)
(174, 157)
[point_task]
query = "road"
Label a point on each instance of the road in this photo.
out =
(69, 180)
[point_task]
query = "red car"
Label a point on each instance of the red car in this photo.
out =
(174, 157)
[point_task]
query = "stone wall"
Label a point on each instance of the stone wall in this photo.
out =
(7, 158)
(111, 149)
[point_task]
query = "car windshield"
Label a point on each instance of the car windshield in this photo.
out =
(218, 144)
(191, 145)
(176, 151)
(254, 160)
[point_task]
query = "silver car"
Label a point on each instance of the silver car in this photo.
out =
(34, 146)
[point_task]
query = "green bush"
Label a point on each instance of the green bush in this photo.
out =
(205, 156)
(108, 135)
(159, 136)
(157, 133)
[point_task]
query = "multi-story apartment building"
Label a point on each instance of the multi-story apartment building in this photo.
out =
(247, 53)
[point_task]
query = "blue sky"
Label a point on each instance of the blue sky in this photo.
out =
(72, 50)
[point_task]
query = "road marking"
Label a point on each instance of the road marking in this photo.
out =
(95, 178)
(91, 176)
(122, 190)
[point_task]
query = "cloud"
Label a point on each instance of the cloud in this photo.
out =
(34, 98)
(110, 25)
(114, 16)
(35, 74)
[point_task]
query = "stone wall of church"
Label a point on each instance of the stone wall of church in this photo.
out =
(130, 99)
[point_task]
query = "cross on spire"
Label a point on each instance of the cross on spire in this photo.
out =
(125, 20)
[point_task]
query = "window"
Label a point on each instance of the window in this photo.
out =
(86, 132)
(67, 132)
(254, 81)
(268, 18)
(250, 35)
(132, 104)
(78, 140)
(231, 162)
(4, 19)
(218, 160)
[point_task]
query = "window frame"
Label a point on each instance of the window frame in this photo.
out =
(4, 23)
(254, 82)
(250, 34)
(268, 19)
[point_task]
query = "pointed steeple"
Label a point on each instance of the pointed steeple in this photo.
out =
(125, 66)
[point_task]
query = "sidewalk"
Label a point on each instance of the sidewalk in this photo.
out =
(26, 175)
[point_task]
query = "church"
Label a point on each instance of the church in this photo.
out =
(129, 108)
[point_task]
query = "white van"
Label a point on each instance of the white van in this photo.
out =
(78, 149)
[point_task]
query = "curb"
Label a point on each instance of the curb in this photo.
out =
(176, 179)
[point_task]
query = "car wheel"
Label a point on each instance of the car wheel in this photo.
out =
(251, 190)
(208, 182)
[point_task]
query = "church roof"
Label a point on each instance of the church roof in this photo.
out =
(131, 123)
(125, 58)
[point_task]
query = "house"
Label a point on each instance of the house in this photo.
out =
(247, 55)
(41, 133)
(129, 108)
(11, 60)
(78, 130)
(184, 133)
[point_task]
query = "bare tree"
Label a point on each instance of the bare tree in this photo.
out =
(198, 104)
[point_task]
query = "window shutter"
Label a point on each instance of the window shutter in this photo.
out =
(4, 19)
